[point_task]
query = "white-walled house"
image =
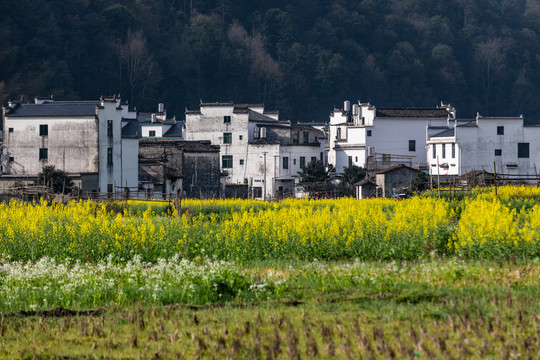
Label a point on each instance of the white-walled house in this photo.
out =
(83, 138)
(257, 149)
(478, 144)
(375, 138)
(157, 125)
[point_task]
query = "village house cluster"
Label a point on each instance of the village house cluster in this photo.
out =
(243, 150)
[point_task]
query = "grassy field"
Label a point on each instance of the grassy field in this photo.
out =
(418, 278)
(432, 309)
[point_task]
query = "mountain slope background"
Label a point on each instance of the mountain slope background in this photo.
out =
(302, 57)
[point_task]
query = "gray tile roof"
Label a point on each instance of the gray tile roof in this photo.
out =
(131, 129)
(255, 116)
(445, 133)
(411, 112)
(83, 108)
(174, 131)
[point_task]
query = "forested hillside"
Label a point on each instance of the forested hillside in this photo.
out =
(301, 57)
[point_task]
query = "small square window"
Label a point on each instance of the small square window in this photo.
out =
(11, 159)
(43, 154)
(241, 137)
(43, 130)
(368, 132)
(500, 130)
(226, 119)
(241, 161)
(10, 129)
(313, 158)
(498, 152)
(152, 133)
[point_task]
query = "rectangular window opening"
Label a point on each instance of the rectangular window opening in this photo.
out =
(285, 162)
(227, 138)
(500, 130)
(302, 161)
(109, 156)
(227, 161)
(43, 154)
(109, 128)
(226, 119)
(523, 150)
(453, 151)
(152, 133)
(43, 130)
(498, 152)
(412, 145)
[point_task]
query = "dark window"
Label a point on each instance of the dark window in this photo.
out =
(295, 137)
(339, 133)
(43, 154)
(302, 161)
(11, 159)
(412, 145)
(368, 132)
(226, 161)
(498, 152)
(241, 137)
(453, 151)
(434, 151)
(226, 119)
(313, 158)
(285, 162)
(152, 133)
(227, 138)
(443, 151)
(257, 192)
(306, 137)
(109, 190)
(10, 129)
(109, 156)
(294, 161)
(43, 130)
(500, 130)
(523, 150)
(241, 161)
(109, 128)
(350, 160)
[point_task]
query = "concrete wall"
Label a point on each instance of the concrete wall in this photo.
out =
(395, 179)
(201, 175)
(110, 174)
(72, 144)
(130, 162)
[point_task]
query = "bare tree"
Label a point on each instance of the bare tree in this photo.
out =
(491, 57)
(139, 64)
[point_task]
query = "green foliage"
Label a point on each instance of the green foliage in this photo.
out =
(56, 179)
(405, 53)
(353, 174)
(420, 182)
(313, 172)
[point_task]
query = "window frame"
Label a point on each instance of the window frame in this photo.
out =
(109, 128)
(43, 153)
(227, 138)
(226, 161)
(43, 130)
(498, 152)
(151, 133)
(413, 147)
(500, 130)
(227, 119)
(285, 163)
(523, 151)
(302, 162)
(109, 156)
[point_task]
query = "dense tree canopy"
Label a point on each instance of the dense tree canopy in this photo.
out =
(301, 57)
